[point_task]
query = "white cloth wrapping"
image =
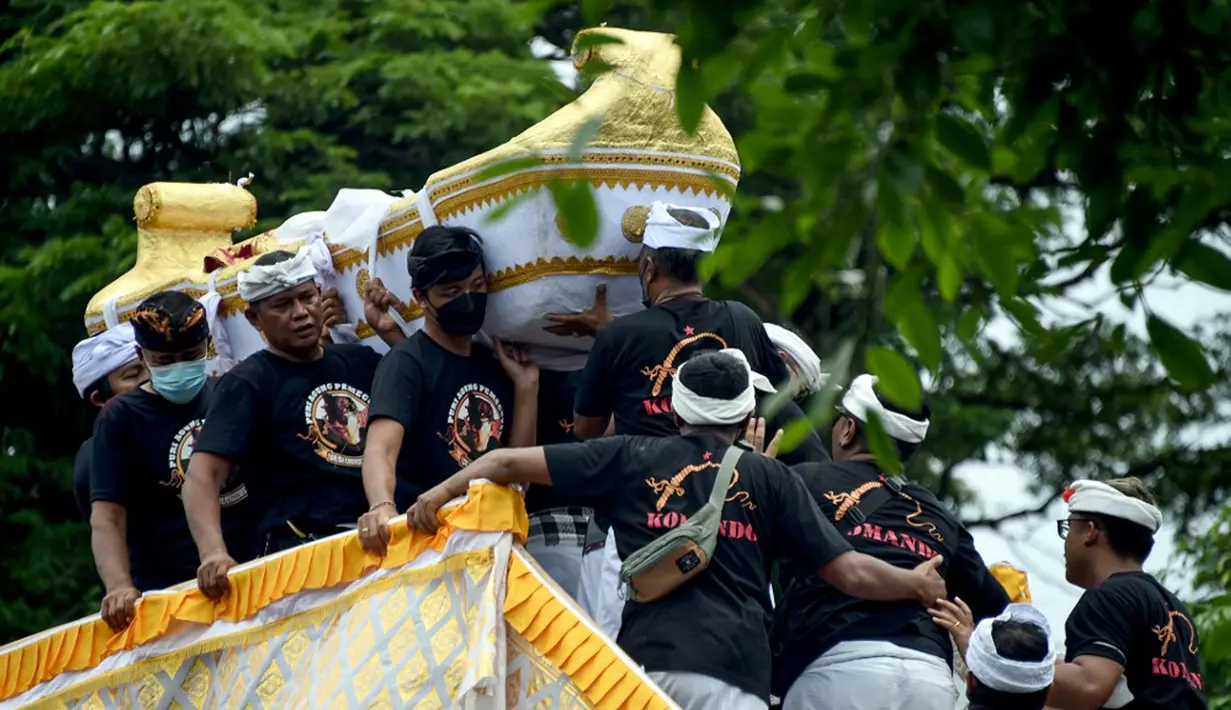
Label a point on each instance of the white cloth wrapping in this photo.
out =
(873, 675)
(664, 231)
(354, 218)
(1100, 498)
(1004, 674)
(95, 358)
(860, 400)
(224, 359)
(708, 411)
(260, 282)
(804, 357)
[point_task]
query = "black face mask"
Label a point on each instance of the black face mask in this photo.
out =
(463, 315)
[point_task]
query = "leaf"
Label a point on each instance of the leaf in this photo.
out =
(918, 326)
(968, 324)
(508, 167)
(578, 210)
(1124, 266)
(689, 96)
(881, 446)
(584, 135)
(963, 140)
(804, 82)
(950, 277)
(995, 260)
(904, 172)
(795, 433)
(1183, 357)
(896, 379)
(505, 207)
(945, 187)
(1204, 263)
(1024, 312)
(896, 242)
(593, 11)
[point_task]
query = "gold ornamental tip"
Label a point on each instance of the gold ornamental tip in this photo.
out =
(177, 224)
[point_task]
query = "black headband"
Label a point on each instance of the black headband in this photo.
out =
(158, 330)
(445, 266)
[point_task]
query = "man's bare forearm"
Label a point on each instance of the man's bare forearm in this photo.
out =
(206, 475)
(109, 543)
(865, 577)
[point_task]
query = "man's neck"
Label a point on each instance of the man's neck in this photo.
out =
(675, 290)
(1103, 569)
(726, 435)
(861, 456)
(462, 345)
(304, 356)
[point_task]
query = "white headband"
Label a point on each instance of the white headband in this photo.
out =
(708, 411)
(1100, 498)
(804, 357)
(260, 282)
(664, 231)
(860, 399)
(95, 358)
(1003, 674)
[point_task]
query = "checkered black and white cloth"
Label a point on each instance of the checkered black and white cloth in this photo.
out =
(559, 526)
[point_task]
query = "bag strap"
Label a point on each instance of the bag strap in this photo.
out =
(870, 502)
(722, 481)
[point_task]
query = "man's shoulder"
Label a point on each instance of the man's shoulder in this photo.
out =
(352, 352)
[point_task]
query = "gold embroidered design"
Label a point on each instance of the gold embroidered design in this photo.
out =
(667, 487)
(1166, 633)
(845, 501)
(659, 373)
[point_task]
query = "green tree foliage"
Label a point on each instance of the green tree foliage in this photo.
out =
(102, 97)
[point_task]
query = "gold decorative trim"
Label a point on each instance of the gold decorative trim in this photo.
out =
(611, 178)
(633, 223)
(559, 266)
(361, 284)
(658, 159)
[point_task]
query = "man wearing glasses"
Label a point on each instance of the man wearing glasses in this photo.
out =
(1130, 643)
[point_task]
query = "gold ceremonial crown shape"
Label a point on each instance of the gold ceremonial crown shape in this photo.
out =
(639, 143)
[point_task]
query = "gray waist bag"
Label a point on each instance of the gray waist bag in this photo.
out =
(683, 553)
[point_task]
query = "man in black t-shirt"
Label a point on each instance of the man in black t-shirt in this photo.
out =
(705, 643)
(142, 444)
(294, 415)
(827, 639)
(1130, 643)
(441, 400)
(105, 366)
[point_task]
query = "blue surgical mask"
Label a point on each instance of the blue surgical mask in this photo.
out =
(179, 382)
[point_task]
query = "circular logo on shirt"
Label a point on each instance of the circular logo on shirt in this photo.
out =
(337, 418)
(181, 450)
(475, 423)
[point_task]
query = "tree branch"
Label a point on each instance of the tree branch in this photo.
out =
(996, 522)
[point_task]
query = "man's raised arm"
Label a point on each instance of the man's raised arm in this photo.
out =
(207, 474)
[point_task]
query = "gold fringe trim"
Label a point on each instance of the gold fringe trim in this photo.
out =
(317, 565)
(607, 678)
(312, 617)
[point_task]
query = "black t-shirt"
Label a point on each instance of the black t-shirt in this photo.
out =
(557, 391)
(81, 476)
(716, 624)
(298, 430)
(810, 450)
(452, 409)
(814, 617)
(141, 448)
(1133, 620)
(629, 369)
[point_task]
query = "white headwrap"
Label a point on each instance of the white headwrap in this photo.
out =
(664, 231)
(708, 411)
(860, 398)
(1100, 498)
(264, 281)
(1003, 674)
(804, 357)
(95, 358)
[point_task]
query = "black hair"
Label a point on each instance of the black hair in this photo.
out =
(1124, 537)
(715, 375)
(1014, 641)
(103, 387)
(443, 254)
(905, 449)
(274, 257)
(679, 265)
(438, 239)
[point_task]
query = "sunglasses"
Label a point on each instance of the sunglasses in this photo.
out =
(1063, 526)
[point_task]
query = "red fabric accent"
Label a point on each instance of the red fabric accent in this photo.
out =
(1068, 493)
(225, 257)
